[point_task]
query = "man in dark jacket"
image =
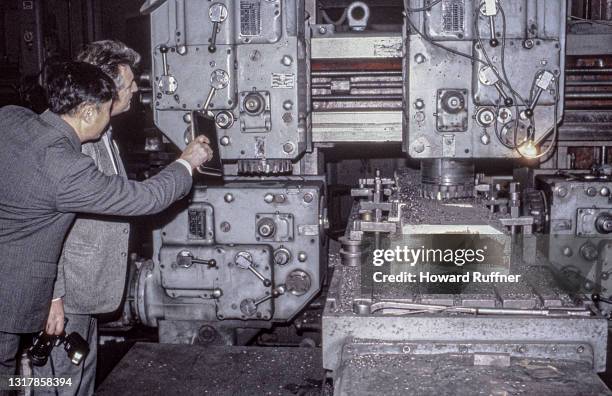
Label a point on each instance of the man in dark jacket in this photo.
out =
(93, 263)
(46, 180)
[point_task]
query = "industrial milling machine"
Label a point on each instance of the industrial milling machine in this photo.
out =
(461, 86)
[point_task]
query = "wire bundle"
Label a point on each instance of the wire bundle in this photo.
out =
(503, 78)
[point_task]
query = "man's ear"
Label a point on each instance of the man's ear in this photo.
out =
(87, 113)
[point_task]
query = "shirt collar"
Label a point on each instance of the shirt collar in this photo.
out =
(58, 123)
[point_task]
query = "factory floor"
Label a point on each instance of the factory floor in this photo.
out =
(166, 369)
(147, 368)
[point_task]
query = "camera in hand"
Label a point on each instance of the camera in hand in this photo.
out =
(76, 347)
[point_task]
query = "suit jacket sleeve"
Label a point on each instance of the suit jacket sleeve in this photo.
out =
(83, 188)
(59, 288)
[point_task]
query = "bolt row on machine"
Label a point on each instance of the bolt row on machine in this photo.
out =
(278, 84)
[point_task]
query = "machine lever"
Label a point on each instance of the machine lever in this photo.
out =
(542, 83)
(245, 261)
(248, 306)
(186, 259)
(167, 83)
(219, 79)
(488, 76)
(217, 14)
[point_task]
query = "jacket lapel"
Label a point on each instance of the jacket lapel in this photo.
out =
(102, 158)
(120, 167)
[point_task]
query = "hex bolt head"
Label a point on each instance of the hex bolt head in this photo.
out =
(225, 141)
(269, 198)
(254, 103)
(308, 197)
(224, 119)
(589, 252)
(591, 191)
(419, 116)
(287, 60)
(266, 230)
(282, 256)
(419, 58)
(419, 104)
(562, 192)
(288, 147)
(287, 105)
(225, 226)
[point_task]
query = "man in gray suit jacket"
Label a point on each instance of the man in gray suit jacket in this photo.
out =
(50, 180)
(93, 263)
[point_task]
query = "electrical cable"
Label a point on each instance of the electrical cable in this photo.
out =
(505, 80)
(503, 77)
(497, 131)
(490, 65)
(340, 20)
(554, 129)
(503, 57)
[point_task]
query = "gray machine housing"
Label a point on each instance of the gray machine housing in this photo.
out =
(455, 114)
(245, 65)
(575, 245)
(262, 54)
(277, 224)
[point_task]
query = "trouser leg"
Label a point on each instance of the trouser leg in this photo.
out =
(9, 345)
(88, 380)
(82, 377)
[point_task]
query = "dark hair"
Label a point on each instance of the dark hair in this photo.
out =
(72, 84)
(108, 55)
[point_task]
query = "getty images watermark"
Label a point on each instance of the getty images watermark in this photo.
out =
(456, 259)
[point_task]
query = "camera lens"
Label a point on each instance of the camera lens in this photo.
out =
(41, 348)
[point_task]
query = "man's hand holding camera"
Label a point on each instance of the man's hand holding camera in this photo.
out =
(55, 322)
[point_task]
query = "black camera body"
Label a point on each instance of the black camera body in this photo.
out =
(76, 347)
